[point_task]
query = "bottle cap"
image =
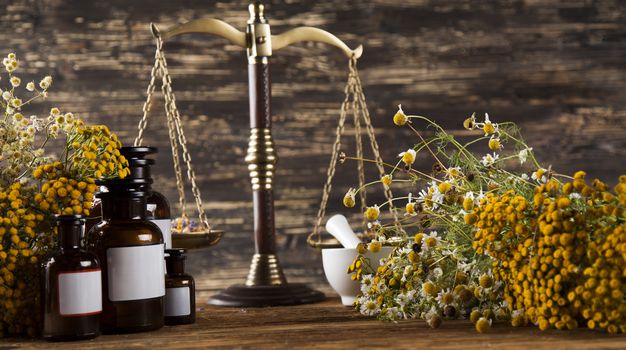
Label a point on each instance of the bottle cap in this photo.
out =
(140, 152)
(130, 193)
(175, 253)
(69, 219)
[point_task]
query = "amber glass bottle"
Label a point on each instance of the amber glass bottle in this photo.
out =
(180, 290)
(71, 287)
(157, 205)
(131, 251)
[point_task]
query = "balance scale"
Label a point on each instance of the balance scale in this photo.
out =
(266, 284)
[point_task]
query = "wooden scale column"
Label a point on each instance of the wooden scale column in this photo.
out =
(266, 284)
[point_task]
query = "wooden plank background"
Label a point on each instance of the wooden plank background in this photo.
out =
(556, 67)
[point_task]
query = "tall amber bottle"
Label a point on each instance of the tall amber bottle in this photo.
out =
(157, 205)
(71, 287)
(180, 290)
(131, 251)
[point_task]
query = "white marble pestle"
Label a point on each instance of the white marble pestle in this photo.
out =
(339, 227)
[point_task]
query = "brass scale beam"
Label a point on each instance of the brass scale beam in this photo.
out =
(266, 284)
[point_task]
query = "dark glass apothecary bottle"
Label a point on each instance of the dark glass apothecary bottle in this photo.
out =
(157, 206)
(131, 251)
(71, 288)
(180, 290)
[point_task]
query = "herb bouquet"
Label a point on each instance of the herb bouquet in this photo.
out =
(35, 186)
(482, 242)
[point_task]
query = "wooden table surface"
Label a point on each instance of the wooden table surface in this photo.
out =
(328, 325)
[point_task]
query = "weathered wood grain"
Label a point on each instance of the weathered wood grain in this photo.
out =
(329, 325)
(557, 67)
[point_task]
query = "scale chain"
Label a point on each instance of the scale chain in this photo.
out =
(359, 145)
(374, 145)
(165, 82)
(330, 173)
(143, 122)
(173, 113)
(176, 133)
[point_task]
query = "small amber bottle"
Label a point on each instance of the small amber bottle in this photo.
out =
(71, 286)
(180, 291)
(157, 205)
(131, 251)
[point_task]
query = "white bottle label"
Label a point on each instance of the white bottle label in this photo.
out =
(177, 302)
(136, 273)
(165, 225)
(80, 293)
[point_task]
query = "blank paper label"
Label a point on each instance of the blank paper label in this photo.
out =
(165, 225)
(136, 273)
(177, 302)
(80, 293)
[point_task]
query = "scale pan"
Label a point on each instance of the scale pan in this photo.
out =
(196, 240)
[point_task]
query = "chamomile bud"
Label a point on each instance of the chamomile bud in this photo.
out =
(348, 199)
(470, 122)
(485, 281)
(488, 127)
(483, 325)
(386, 179)
(468, 203)
(374, 246)
(410, 208)
(30, 86)
(494, 144)
(372, 213)
(408, 157)
(400, 118)
(444, 187)
(434, 321)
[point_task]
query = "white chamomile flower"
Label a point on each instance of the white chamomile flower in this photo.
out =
(366, 283)
(489, 159)
(453, 173)
(6, 95)
(15, 81)
(437, 273)
(408, 157)
(45, 82)
(430, 241)
(575, 195)
(539, 175)
(30, 86)
(370, 308)
(445, 297)
(523, 154)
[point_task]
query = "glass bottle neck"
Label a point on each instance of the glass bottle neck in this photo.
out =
(70, 236)
(175, 267)
(123, 207)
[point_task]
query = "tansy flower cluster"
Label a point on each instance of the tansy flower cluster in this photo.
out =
(560, 252)
(34, 188)
(20, 248)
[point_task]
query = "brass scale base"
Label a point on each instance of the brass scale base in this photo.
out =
(257, 293)
(266, 285)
